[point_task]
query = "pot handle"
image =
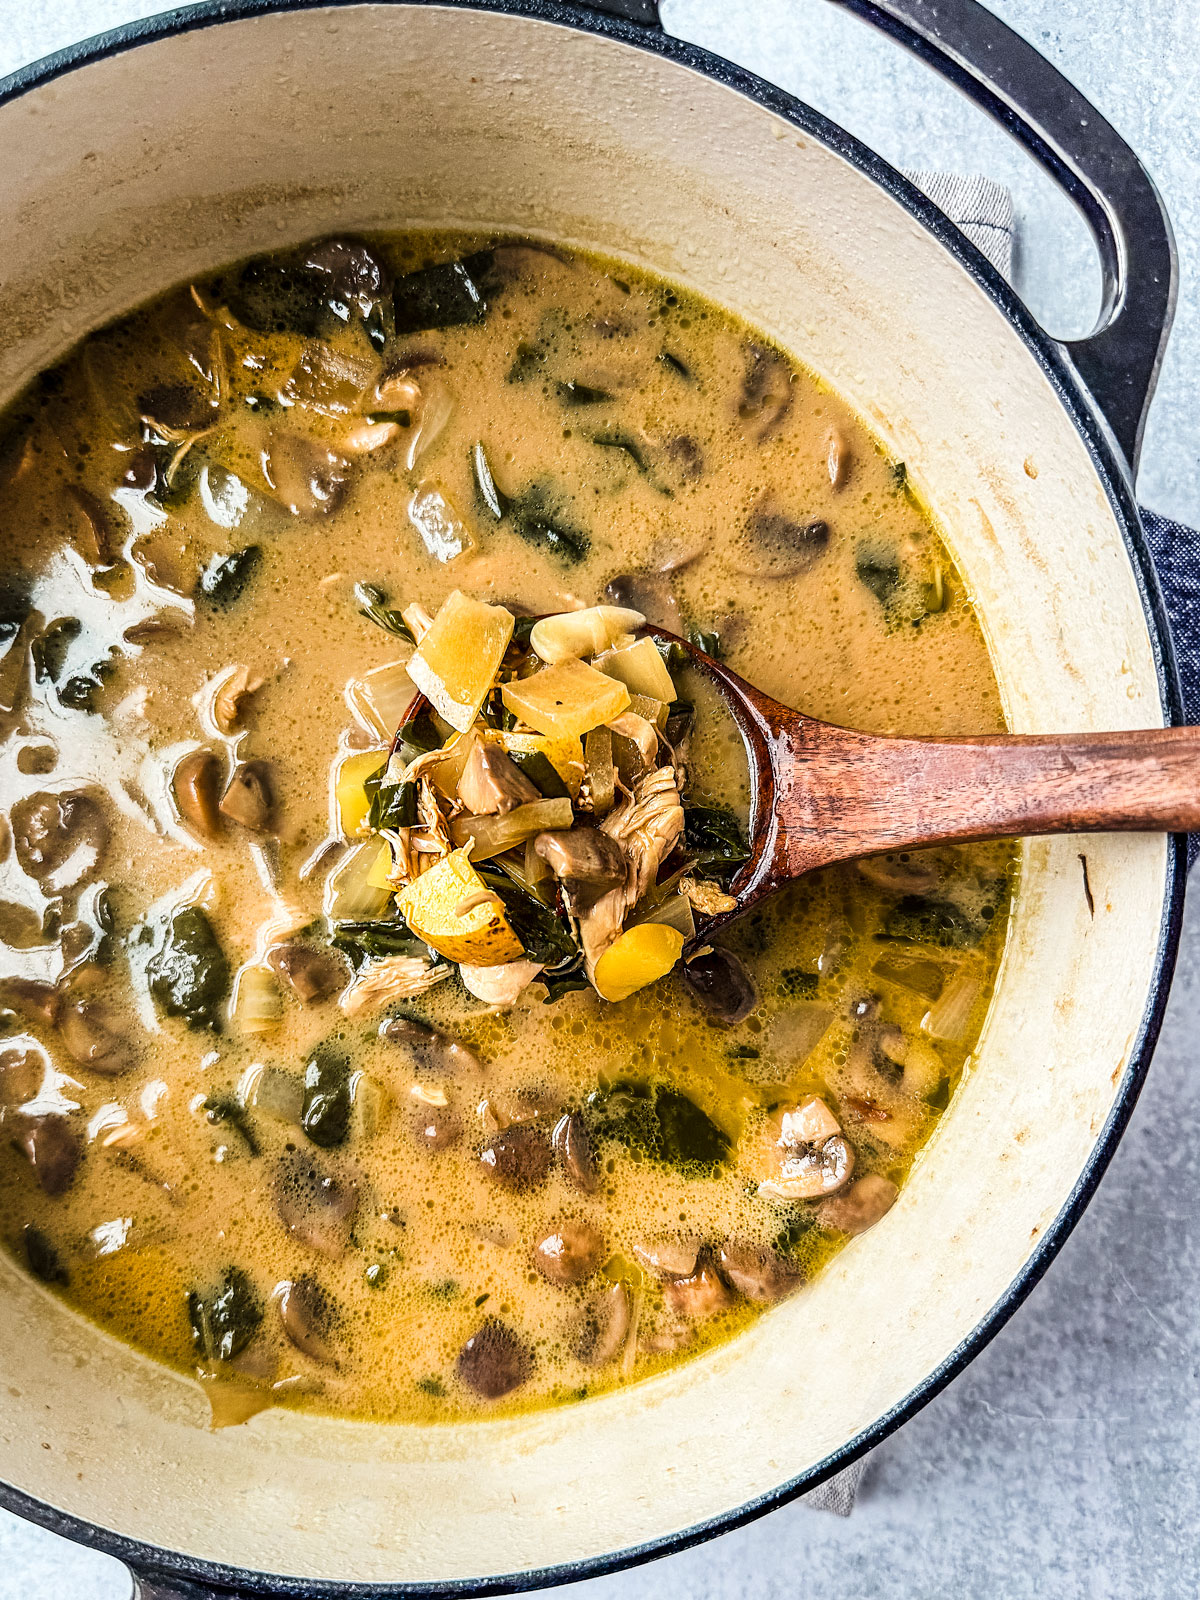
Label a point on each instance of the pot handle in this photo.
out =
(1120, 359)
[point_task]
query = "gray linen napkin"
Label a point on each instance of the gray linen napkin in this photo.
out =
(983, 209)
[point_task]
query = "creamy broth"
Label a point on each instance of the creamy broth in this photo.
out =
(193, 502)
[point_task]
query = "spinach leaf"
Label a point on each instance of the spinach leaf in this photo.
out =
(794, 1231)
(448, 295)
(225, 1319)
(362, 941)
(228, 1108)
(880, 572)
(49, 649)
(544, 936)
(630, 447)
(188, 974)
(563, 979)
(225, 578)
(714, 839)
(80, 690)
(921, 919)
(538, 520)
(710, 643)
(312, 290)
(372, 604)
(681, 714)
(540, 771)
(327, 1100)
(675, 365)
(393, 805)
(43, 1259)
(660, 1124)
(527, 363)
(796, 983)
(420, 731)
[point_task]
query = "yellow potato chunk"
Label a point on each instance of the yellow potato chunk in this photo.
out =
(566, 700)
(457, 661)
(438, 908)
(353, 803)
(378, 877)
(637, 957)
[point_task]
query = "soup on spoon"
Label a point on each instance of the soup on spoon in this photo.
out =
(364, 1051)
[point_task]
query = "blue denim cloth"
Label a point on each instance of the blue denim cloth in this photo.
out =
(1176, 552)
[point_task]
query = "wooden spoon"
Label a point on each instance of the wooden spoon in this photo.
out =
(820, 794)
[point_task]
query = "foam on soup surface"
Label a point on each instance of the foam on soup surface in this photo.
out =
(253, 1123)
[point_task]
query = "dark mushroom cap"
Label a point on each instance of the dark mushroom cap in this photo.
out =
(518, 1157)
(312, 975)
(722, 985)
(758, 1272)
(196, 785)
(53, 1149)
(573, 1146)
(59, 838)
(306, 1315)
(314, 1206)
(435, 1127)
(569, 1253)
(93, 1036)
(494, 1361)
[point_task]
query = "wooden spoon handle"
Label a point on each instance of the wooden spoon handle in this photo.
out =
(840, 794)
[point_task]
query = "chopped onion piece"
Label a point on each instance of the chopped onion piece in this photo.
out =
(673, 911)
(350, 896)
(457, 661)
(443, 532)
(436, 412)
(570, 635)
(272, 1091)
(494, 835)
(601, 771)
(948, 1019)
(568, 699)
(383, 700)
(641, 669)
(257, 1004)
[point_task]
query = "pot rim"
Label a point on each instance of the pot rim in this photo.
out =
(157, 1564)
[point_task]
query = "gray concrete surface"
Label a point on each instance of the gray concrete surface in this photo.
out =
(1062, 1464)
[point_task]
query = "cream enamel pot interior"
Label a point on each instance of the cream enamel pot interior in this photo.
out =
(176, 145)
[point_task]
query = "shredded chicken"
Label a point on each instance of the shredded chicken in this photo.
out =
(499, 986)
(646, 825)
(394, 978)
(706, 897)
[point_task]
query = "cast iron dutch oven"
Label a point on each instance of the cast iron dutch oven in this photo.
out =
(173, 145)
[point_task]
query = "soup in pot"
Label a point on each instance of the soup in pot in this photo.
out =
(363, 1047)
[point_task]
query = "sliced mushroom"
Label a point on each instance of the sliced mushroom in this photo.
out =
(517, 1158)
(306, 1315)
(306, 477)
(784, 546)
(232, 692)
(312, 975)
(767, 391)
(196, 785)
(573, 1146)
(811, 1122)
(837, 458)
(494, 1361)
(701, 1295)
(651, 594)
(586, 861)
(432, 1051)
(53, 1149)
(32, 998)
(604, 1327)
(722, 985)
(22, 1073)
(353, 272)
(60, 839)
(669, 1258)
(810, 1171)
(862, 1205)
(435, 1127)
(900, 874)
(94, 1037)
(491, 784)
(249, 799)
(569, 1253)
(759, 1273)
(315, 1207)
